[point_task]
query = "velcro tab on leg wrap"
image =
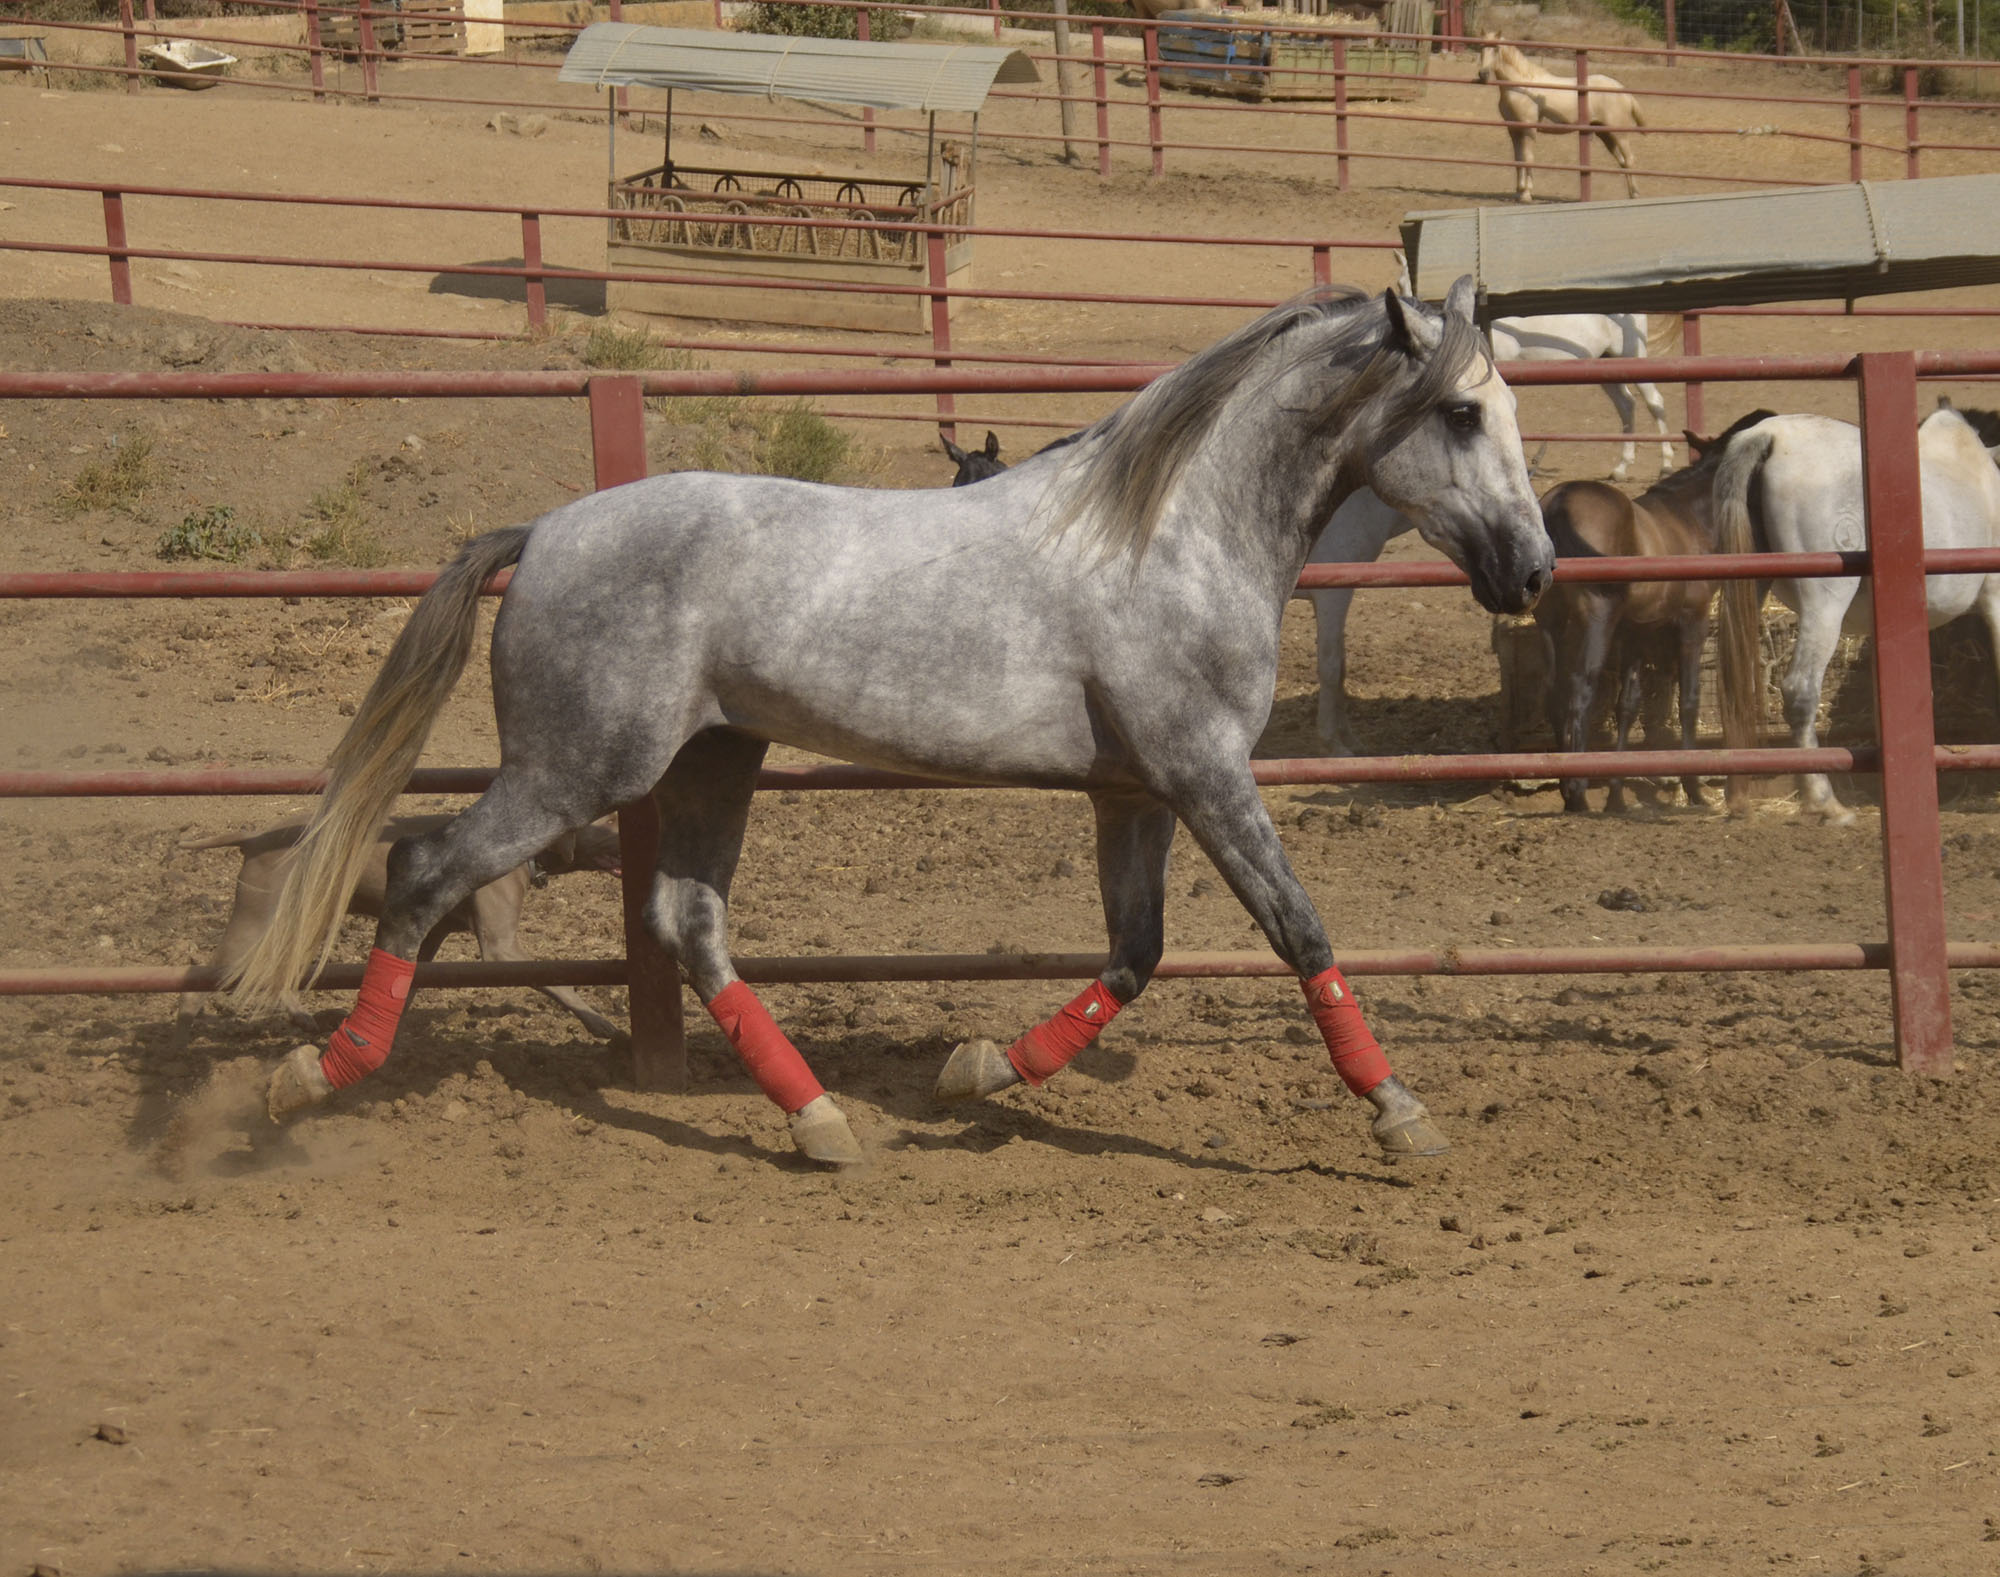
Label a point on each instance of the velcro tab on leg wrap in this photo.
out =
(1049, 1047)
(1357, 1058)
(772, 1060)
(364, 1038)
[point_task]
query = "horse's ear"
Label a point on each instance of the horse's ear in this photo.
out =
(1410, 328)
(953, 451)
(992, 444)
(1944, 402)
(1458, 300)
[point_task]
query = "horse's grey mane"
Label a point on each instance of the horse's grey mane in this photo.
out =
(1125, 466)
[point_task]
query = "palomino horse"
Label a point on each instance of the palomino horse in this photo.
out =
(1792, 484)
(1586, 624)
(1531, 97)
(1104, 618)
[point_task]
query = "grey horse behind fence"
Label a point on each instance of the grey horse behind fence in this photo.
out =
(1104, 618)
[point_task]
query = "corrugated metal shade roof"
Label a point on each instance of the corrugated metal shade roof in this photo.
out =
(1671, 254)
(831, 70)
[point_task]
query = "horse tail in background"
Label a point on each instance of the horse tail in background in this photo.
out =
(367, 770)
(1638, 110)
(1738, 638)
(1664, 333)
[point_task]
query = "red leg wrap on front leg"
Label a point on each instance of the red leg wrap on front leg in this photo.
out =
(1356, 1056)
(774, 1062)
(1048, 1048)
(362, 1042)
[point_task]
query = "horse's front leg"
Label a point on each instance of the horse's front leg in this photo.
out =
(1330, 634)
(1134, 832)
(1522, 135)
(1218, 801)
(1631, 696)
(1694, 636)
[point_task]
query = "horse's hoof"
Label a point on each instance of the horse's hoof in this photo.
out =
(822, 1135)
(977, 1068)
(1412, 1136)
(296, 1083)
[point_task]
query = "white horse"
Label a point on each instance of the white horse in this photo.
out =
(1793, 485)
(1531, 97)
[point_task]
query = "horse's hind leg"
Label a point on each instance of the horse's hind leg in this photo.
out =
(1623, 154)
(1580, 676)
(1621, 400)
(1657, 409)
(704, 801)
(1631, 695)
(1219, 803)
(1694, 636)
(429, 876)
(1820, 618)
(1134, 832)
(1330, 610)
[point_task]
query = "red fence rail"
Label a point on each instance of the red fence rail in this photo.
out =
(1916, 954)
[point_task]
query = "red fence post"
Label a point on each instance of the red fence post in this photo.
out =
(1673, 32)
(368, 81)
(1854, 123)
(1322, 265)
(1912, 863)
(653, 979)
(1583, 125)
(114, 238)
(1691, 346)
(1910, 144)
(1100, 89)
(131, 46)
(531, 260)
(313, 51)
(995, 4)
(1340, 114)
(947, 405)
(1153, 99)
(861, 31)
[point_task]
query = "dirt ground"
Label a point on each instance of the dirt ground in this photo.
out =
(1703, 1286)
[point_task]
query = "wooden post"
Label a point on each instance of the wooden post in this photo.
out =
(114, 238)
(369, 85)
(1912, 867)
(1583, 125)
(1691, 346)
(531, 260)
(621, 98)
(1910, 144)
(1153, 98)
(131, 46)
(862, 31)
(1100, 89)
(652, 978)
(1340, 113)
(315, 54)
(947, 405)
(1065, 82)
(1854, 123)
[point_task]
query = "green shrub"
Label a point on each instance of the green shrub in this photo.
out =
(212, 534)
(342, 535)
(114, 484)
(797, 441)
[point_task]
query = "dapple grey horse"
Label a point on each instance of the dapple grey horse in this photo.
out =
(1103, 618)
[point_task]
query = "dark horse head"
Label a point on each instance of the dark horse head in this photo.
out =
(974, 465)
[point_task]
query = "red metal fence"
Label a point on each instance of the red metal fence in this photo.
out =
(1154, 107)
(1916, 954)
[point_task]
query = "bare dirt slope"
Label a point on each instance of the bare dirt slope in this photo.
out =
(1704, 1286)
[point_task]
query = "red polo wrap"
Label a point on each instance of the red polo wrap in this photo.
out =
(1356, 1056)
(1047, 1048)
(774, 1062)
(362, 1042)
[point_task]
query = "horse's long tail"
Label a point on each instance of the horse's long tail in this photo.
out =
(1664, 333)
(366, 772)
(1742, 676)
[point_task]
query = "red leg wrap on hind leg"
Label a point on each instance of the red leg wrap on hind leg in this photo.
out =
(1048, 1048)
(1356, 1056)
(362, 1042)
(774, 1062)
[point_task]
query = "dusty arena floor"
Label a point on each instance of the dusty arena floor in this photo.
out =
(1705, 1284)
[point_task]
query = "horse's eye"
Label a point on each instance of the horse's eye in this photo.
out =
(1463, 418)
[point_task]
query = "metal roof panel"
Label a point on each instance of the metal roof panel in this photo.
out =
(1673, 254)
(948, 77)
